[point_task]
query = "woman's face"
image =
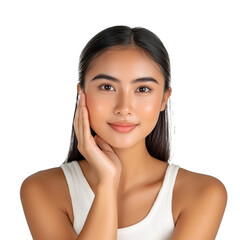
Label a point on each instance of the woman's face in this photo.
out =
(124, 84)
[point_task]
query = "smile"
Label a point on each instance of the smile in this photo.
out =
(122, 129)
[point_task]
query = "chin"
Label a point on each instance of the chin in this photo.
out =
(121, 140)
(121, 145)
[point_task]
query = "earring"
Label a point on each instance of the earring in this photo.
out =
(78, 98)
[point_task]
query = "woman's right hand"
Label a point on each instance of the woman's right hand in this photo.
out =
(104, 161)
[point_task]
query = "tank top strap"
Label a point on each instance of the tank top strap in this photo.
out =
(170, 177)
(80, 192)
(168, 186)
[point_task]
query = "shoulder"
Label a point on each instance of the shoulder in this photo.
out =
(200, 202)
(47, 205)
(47, 184)
(195, 185)
(45, 178)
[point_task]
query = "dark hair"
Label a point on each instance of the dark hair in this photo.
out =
(157, 142)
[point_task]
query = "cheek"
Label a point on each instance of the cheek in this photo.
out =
(149, 114)
(96, 108)
(150, 108)
(149, 111)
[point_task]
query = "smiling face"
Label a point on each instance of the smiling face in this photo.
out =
(124, 84)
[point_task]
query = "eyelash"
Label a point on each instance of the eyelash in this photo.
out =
(149, 89)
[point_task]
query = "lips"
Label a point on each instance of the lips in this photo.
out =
(123, 123)
(122, 127)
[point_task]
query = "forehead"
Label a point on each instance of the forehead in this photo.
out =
(124, 63)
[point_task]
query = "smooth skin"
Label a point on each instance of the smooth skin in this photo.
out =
(122, 174)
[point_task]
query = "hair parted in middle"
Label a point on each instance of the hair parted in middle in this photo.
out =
(158, 141)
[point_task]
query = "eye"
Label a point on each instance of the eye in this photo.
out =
(105, 87)
(144, 89)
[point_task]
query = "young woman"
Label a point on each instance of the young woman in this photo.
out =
(116, 182)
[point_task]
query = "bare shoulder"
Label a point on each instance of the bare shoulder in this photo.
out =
(47, 205)
(46, 179)
(196, 184)
(50, 182)
(199, 201)
(47, 175)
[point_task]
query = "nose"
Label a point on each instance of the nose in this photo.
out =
(123, 105)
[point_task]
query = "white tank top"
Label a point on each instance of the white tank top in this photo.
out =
(157, 225)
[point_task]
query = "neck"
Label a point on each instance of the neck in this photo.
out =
(136, 165)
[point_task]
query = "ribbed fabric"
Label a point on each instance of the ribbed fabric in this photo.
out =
(157, 225)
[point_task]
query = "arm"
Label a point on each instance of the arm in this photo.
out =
(46, 212)
(101, 222)
(201, 217)
(48, 219)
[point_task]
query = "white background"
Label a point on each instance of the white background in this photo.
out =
(39, 51)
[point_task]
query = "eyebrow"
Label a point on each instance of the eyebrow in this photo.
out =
(143, 79)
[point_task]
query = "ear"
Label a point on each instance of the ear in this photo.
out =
(166, 96)
(79, 88)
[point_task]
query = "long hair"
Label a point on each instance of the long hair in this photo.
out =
(157, 142)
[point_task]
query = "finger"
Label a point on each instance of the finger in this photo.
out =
(77, 121)
(80, 120)
(86, 124)
(82, 99)
(103, 144)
